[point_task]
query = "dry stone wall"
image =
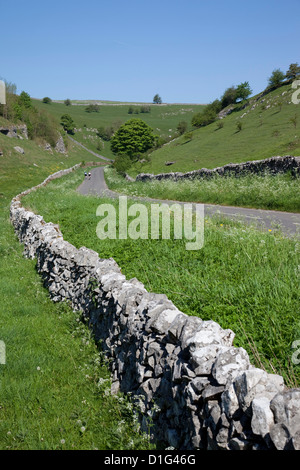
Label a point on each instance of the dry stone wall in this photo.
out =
(271, 165)
(199, 390)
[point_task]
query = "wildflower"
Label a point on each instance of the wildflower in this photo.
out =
(62, 441)
(38, 368)
(82, 429)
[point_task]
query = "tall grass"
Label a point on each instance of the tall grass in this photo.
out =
(276, 192)
(243, 279)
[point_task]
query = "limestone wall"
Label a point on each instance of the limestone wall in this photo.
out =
(200, 391)
(271, 165)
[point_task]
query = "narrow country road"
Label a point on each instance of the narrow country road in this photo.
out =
(288, 222)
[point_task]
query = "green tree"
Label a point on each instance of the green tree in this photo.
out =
(67, 123)
(25, 100)
(229, 97)
(276, 78)
(243, 91)
(67, 102)
(47, 100)
(133, 138)
(293, 72)
(157, 99)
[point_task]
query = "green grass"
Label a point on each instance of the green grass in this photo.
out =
(55, 386)
(243, 279)
(280, 192)
(266, 131)
(163, 119)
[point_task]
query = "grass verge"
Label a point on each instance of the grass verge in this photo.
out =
(273, 192)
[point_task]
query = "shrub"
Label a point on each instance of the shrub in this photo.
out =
(122, 163)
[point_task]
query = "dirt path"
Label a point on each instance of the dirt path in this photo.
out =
(288, 222)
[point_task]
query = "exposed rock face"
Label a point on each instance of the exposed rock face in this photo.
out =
(201, 391)
(60, 145)
(271, 165)
(12, 131)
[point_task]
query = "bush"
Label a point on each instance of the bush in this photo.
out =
(67, 123)
(92, 108)
(47, 100)
(182, 127)
(122, 163)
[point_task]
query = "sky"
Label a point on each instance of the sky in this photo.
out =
(129, 50)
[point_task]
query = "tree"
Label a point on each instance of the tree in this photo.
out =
(243, 91)
(157, 99)
(229, 97)
(47, 100)
(67, 123)
(276, 78)
(25, 100)
(133, 138)
(67, 102)
(293, 72)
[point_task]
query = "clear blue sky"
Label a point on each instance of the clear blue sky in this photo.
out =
(129, 50)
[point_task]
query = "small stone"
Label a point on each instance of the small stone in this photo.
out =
(19, 150)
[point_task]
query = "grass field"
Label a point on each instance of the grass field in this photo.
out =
(280, 192)
(54, 387)
(243, 279)
(162, 118)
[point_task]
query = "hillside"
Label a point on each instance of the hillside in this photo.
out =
(162, 118)
(267, 130)
(270, 124)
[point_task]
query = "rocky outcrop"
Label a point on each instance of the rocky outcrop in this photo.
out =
(271, 165)
(60, 145)
(200, 391)
(19, 131)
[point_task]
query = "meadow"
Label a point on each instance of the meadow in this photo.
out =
(243, 279)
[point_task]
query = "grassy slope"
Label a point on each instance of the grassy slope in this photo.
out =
(162, 118)
(52, 388)
(267, 131)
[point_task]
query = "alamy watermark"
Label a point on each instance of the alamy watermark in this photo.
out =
(2, 352)
(140, 221)
(296, 354)
(296, 85)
